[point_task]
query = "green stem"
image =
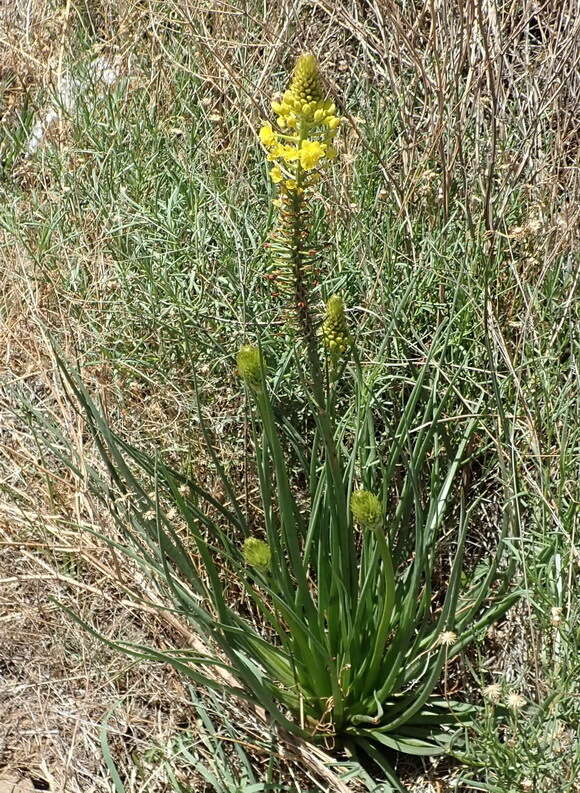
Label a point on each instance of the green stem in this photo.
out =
(388, 603)
(308, 332)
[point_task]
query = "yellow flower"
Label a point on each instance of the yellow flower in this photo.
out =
(276, 174)
(291, 184)
(276, 151)
(267, 135)
(288, 153)
(311, 151)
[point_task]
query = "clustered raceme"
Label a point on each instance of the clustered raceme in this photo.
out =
(307, 123)
(298, 149)
(334, 328)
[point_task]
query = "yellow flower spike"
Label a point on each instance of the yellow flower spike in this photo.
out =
(334, 328)
(332, 122)
(296, 154)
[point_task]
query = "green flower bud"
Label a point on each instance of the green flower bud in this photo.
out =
(305, 85)
(257, 553)
(366, 509)
(250, 363)
(334, 328)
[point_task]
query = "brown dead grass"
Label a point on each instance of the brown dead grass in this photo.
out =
(57, 682)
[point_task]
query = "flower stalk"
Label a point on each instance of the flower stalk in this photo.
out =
(299, 150)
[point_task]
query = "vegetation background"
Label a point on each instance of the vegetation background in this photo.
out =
(134, 207)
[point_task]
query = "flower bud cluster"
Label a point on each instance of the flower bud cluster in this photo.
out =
(304, 101)
(250, 365)
(308, 124)
(366, 509)
(257, 553)
(334, 328)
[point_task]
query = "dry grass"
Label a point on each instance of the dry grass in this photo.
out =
(57, 681)
(488, 100)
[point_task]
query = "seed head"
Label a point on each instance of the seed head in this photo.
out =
(515, 701)
(492, 693)
(447, 638)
